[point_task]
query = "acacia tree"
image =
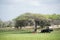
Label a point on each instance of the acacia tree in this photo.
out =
(24, 19)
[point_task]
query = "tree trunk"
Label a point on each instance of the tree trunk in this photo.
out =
(35, 27)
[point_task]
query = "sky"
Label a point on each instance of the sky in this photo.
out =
(9, 9)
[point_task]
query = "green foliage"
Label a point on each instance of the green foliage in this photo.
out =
(29, 18)
(55, 16)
